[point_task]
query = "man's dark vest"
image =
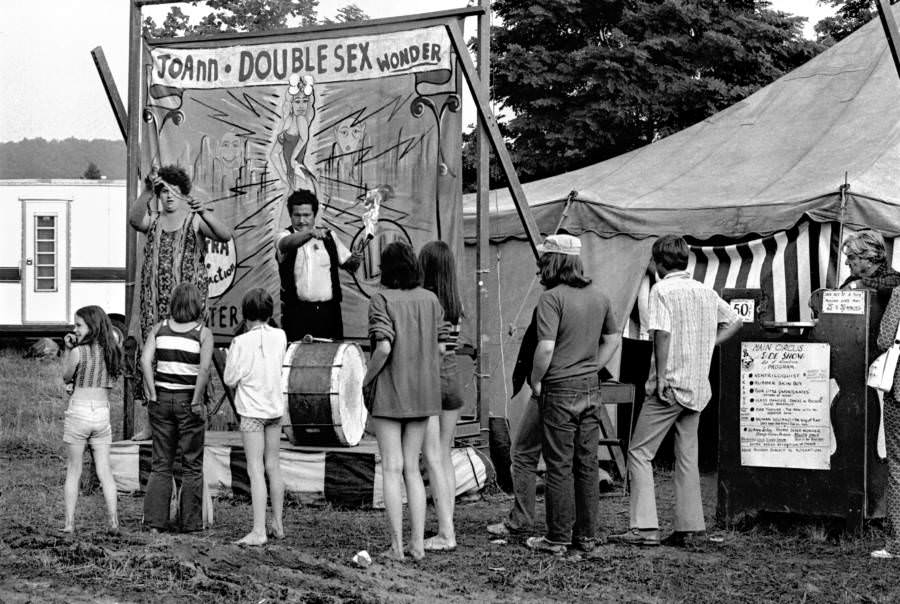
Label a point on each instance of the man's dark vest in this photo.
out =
(286, 273)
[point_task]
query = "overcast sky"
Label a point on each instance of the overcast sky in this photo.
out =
(50, 86)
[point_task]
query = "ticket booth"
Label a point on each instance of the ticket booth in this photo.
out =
(797, 424)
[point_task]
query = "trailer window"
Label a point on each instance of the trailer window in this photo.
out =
(45, 232)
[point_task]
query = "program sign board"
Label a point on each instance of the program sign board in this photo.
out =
(785, 419)
(341, 116)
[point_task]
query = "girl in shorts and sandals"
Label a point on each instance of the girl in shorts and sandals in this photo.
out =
(92, 363)
(253, 368)
(439, 277)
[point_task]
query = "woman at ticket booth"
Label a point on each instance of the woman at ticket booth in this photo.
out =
(866, 257)
(868, 263)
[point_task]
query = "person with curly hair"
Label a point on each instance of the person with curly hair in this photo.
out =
(177, 226)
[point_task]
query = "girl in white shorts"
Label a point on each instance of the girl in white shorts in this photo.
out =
(92, 362)
(253, 368)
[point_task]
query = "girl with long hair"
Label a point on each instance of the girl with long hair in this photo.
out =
(92, 363)
(402, 379)
(439, 277)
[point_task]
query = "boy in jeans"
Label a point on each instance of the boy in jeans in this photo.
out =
(687, 319)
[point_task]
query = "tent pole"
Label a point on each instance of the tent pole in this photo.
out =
(890, 30)
(482, 222)
(844, 188)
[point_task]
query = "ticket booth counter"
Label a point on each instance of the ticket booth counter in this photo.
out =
(797, 424)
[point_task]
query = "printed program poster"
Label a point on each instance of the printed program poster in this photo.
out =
(785, 405)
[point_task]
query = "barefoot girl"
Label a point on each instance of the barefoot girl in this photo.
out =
(403, 374)
(253, 368)
(92, 363)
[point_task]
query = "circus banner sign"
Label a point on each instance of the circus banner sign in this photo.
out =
(360, 121)
(333, 60)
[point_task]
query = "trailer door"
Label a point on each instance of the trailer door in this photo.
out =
(45, 261)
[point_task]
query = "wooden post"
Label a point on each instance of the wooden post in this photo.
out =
(132, 175)
(890, 30)
(482, 222)
(487, 120)
(112, 92)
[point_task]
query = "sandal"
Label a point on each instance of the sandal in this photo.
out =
(540, 544)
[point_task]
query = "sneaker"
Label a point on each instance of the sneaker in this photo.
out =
(882, 554)
(685, 539)
(637, 537)
(540, 544)
(499, 529)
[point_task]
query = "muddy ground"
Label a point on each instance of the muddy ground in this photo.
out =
(780, 560)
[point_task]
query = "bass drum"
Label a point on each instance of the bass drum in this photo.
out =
(322, 387)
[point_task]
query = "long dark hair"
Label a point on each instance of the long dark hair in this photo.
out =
(559, 269)
(439, 277)
(101, 331)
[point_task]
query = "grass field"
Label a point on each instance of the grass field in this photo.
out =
(768, 560)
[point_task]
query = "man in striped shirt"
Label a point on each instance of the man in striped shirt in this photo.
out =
(687, 319)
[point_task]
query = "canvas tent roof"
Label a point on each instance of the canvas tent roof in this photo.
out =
(755, 167)
(758, 167)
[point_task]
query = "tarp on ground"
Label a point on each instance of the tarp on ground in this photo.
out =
(769, 163)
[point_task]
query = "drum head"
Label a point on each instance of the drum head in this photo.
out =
(347, 407)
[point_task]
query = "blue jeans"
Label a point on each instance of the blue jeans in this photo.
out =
(525, 453)
(571, 437)
(175, 428)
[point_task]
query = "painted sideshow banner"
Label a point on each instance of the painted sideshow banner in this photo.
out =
(370, 123)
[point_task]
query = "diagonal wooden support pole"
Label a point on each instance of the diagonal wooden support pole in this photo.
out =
(112, 92)
(890, 30)
(476, 85)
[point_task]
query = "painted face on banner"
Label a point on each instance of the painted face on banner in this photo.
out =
(231, 151)
(349, 137)
(300, 104)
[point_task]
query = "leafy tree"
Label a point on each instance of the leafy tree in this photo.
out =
(348, 14)
(470, 162)
(92, 172)
(849, 16)
(590, 79)
(245, 15)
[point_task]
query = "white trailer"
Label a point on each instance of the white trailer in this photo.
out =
(62, 246)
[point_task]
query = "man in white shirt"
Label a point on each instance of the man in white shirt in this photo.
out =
(686, 319)
(308, 261)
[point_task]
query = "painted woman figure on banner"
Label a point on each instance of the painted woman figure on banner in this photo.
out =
(288, 154)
